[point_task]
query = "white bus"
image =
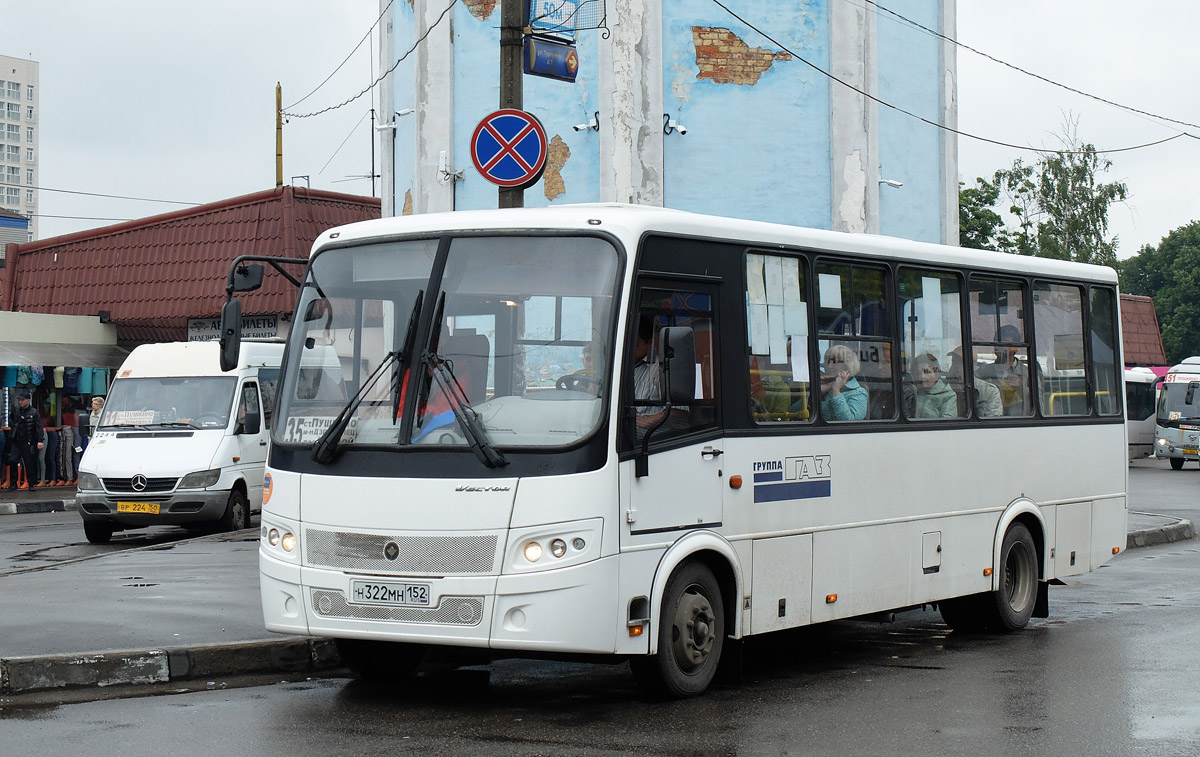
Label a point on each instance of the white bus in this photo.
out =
(1177, 428)
(623, 431)
(1141, 411)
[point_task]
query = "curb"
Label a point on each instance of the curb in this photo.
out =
(1180, 530)
(43, 506)
(19, 675)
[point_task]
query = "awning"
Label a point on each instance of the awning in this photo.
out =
(69, 355)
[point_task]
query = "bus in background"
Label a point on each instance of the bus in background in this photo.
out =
(1177, 428)
(610, 430)
(1141, 411)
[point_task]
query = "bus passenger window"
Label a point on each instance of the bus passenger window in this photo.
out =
(1105, 366)
(931, 323)
(777, 312)
(853, 304)
(1061, 367)
(1000, 352)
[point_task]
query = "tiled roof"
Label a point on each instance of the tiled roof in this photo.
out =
(153, 274)
(6, 213)
(1141, 336)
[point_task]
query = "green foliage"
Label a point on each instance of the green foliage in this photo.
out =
(979, 227)
(1170, 274)
(1060, 205)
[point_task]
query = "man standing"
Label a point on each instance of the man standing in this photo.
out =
(28, 437)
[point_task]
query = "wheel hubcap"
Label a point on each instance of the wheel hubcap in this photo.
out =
(693, 634)
(1017, 571)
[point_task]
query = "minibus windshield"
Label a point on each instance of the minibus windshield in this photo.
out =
(512, 348)
(188, 401)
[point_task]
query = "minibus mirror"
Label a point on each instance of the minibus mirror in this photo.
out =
(231, 334)
(247, 278)
(316, 310)
(677, 351)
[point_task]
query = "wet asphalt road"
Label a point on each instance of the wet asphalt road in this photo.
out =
(1113, 671)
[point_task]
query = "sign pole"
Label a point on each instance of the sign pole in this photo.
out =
(511, 94)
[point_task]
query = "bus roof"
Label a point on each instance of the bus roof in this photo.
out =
(631, 222)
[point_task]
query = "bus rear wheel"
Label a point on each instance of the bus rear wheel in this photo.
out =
(379, 660)
(1009, 607)
(691, 635)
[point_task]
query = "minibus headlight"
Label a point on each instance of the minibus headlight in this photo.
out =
(533, 551)
(273, 537)
(558, 547)
(1160, 442)
(200, 479)
(88, 481)
(288, 541)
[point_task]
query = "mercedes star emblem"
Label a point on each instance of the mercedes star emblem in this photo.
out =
(138, 483)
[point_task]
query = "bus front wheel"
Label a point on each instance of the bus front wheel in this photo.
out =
(1177, 463)
(379, 660)
(691, 635)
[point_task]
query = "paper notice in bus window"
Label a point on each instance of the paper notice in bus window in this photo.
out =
(129, 418)
(829, 289)
(755, 288)
(795, 319)
(799, 357)
(773, 271)
(759, 344)
(931, 300)
(791, 282)
(776, 334)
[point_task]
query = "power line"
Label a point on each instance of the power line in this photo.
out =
(352, 52)
(922, 119)
(113, 197)
(76, 218)
(381, 76)
(1039, 77)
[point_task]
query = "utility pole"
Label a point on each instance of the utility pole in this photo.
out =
(511, 73)
(278, 135)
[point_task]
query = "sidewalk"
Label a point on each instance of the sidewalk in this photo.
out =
(185, 610)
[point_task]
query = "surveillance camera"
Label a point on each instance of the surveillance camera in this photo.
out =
(581, 127)
(682, 129)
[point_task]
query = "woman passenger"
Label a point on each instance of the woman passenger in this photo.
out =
(934, 397)
(842, 397)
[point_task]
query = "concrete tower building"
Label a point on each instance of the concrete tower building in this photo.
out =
(780, 113)
(19, 93)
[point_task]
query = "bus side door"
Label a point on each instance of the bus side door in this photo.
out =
(682, 486)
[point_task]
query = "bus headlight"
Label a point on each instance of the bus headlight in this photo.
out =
(1161, 442)
(533, 551)
(279, 541)
(554, 546)
(88, 482)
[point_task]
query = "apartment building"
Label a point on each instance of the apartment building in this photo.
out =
(19, 97)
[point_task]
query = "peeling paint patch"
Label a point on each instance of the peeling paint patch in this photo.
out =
(723, 58)
(408, 204)
(481, 9)
(556, 157)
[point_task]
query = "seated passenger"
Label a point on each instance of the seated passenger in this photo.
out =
(933, 398)
(842, 397)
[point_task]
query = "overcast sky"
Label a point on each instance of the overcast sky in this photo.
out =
(175, 101)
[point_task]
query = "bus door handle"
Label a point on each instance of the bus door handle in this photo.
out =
(710, 451)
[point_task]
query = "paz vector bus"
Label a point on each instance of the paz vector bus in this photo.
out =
(610, 430)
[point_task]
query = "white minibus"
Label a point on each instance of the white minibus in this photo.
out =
(1177, 428)
(621, 431)
(181, 442)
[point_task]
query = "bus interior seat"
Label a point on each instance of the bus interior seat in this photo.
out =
(469, 353)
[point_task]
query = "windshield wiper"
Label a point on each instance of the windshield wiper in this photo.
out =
(466, 416)
(176, 424)
(406, 351)
(326, 447)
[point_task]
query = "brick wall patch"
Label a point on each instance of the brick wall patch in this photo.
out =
(556, 157)
(723, 58)
(481, 9)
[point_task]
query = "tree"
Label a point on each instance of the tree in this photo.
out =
(1170, 274)
(979, 227)
(1060, 205)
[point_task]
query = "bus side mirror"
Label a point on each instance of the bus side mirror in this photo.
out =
(247, 278)
(231, 334)
(677, 351)
(1191, 392)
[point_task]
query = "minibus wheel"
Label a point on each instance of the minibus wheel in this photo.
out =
(98, 531)
(1177, 463)
(1014, 600)
(237, 512)
(691, 635)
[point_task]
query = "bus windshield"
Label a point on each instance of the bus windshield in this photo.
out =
(1179, 401)
(502, 341)
(196, 401)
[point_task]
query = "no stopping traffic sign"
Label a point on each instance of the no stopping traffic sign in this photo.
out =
(509, 148)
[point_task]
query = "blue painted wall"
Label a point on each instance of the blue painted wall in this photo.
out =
(758, 151)
(909, 151)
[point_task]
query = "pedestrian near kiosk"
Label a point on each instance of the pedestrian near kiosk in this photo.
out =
(28, 437)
